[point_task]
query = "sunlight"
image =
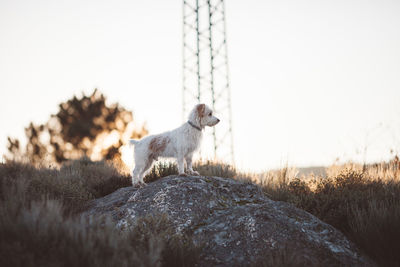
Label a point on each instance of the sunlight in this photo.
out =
(104, 141)
(127, 155)
(110, 139)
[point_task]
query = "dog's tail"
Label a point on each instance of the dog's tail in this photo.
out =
(133, 142)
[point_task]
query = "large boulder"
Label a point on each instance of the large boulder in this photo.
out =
(235, 222)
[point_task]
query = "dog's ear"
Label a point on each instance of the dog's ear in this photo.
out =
(201, 108)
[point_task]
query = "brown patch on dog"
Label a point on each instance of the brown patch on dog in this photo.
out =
(201, 108)
(157, 145)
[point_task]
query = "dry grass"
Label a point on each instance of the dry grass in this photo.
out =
(207, 168)
(74, 184)
(39, 227)
(361, 201)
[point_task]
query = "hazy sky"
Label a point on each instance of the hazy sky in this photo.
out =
(311, 81)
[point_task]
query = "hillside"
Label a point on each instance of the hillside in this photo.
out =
(41, 222)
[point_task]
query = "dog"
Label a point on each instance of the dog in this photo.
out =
(179, 143)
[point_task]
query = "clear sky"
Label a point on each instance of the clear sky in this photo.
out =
(311, 81)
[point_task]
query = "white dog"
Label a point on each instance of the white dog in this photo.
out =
(180, 143)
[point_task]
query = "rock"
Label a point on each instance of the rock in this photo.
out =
(234, 220)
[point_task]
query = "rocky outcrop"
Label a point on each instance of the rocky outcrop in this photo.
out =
(234, 220)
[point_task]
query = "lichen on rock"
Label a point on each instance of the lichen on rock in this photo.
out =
(236, 223)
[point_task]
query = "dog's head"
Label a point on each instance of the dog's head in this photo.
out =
(202, 115)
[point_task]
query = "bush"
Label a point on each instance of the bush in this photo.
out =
(159, 170)
(38, 226)
(73, 185)
(163, 169)
(375, 228)
(363, 204)
(36, 231)
(220, 169)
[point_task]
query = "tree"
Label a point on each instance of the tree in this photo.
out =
(85, 126)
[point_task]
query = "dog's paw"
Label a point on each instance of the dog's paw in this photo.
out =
(183, 175)
(136, 185)
(139, 185)
(195, 173)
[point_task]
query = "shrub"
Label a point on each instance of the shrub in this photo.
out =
(362, 203)
(73, 185)
(100, 178)
(161, 169)
(375, 228)
(166, 168)
(220, 169)
(39, 233)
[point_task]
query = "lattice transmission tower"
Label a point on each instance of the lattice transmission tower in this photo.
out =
(205, 70)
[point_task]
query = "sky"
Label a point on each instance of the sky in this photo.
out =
(312, 82)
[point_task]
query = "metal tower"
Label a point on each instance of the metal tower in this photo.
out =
(205, 69)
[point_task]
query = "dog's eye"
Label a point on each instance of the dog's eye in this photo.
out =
(210, 114)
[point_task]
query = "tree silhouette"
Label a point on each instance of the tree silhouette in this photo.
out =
(85, 126)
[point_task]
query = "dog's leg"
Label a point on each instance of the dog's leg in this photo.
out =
(135, 175)
(188, 159)
(140, 168)
(181, 167)
(148, 163)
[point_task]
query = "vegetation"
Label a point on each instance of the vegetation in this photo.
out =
(208, 168)
(73, 185)
(39, 226)
(361, 201)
